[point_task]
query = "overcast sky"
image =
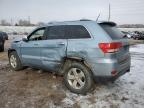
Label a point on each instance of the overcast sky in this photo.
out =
(122, 11)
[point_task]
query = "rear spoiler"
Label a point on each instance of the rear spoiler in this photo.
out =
(107, 23)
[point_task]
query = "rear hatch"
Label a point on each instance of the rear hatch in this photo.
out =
(117, 36)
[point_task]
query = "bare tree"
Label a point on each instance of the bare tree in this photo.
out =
(5, 23)
(23, 23)
(41, 24)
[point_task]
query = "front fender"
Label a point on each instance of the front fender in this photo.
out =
(10, 50)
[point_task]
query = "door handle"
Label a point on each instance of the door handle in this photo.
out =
(36, 44)
(61, 43)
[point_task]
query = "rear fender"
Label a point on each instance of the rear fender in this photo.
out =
(68, 60)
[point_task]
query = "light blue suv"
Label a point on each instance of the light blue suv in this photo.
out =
(79, 50)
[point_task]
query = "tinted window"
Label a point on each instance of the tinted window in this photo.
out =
(56, 32)
(37, 35)
(113, 31)
(76, 31)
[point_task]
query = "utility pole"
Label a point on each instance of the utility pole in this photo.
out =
(11, 22)
(29, 19)
(109, 12)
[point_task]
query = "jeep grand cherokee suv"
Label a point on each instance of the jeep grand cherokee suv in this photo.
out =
(79, 50)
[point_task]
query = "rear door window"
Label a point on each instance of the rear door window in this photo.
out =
(55, 32)
(113, 31)
(76, 32)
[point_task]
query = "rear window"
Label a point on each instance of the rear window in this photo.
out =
(113, 31)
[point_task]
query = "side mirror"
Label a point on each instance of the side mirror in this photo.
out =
(25, 39)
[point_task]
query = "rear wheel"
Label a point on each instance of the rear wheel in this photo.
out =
(14, 61)
(78, 78)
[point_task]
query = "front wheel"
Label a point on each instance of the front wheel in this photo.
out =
(14, 61)
(78, 78)
(2, 48)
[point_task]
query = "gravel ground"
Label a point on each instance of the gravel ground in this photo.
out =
(32, 88)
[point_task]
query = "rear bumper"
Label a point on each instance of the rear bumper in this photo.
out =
(104, 67)
(120, 74)
(109, 78)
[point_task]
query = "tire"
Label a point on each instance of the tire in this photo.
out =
(83, 76)
(14, 61)
(2, 48)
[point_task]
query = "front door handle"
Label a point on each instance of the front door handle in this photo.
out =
(36, 44)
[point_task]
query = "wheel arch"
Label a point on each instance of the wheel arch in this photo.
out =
(10, 50)
(68, 60)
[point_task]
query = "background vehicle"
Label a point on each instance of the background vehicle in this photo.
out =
(79, 50)
(128, 35)
(3, 37)
(138, 35)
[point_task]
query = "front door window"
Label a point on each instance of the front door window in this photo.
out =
(37, 35)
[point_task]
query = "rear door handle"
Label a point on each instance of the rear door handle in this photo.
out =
(61, 43)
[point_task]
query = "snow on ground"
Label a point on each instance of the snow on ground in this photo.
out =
(126, 92)
(18, 29)
(132, 29)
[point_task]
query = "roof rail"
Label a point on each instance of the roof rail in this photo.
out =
(52, 22)
(85, 20)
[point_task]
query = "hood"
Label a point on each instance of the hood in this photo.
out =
(18, 39)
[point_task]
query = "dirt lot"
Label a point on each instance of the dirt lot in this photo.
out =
(32, 88)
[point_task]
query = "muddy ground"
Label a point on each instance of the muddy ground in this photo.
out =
(32, 88)
(28, 88)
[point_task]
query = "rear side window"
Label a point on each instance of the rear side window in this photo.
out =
(55, 32)
(113, 31)
(76, 32)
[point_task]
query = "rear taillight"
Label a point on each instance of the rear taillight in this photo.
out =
(110, 47)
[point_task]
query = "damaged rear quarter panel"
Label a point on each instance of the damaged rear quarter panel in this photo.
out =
(83, 48)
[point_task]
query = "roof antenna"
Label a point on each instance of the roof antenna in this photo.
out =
(109, 12)
(98, 17)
